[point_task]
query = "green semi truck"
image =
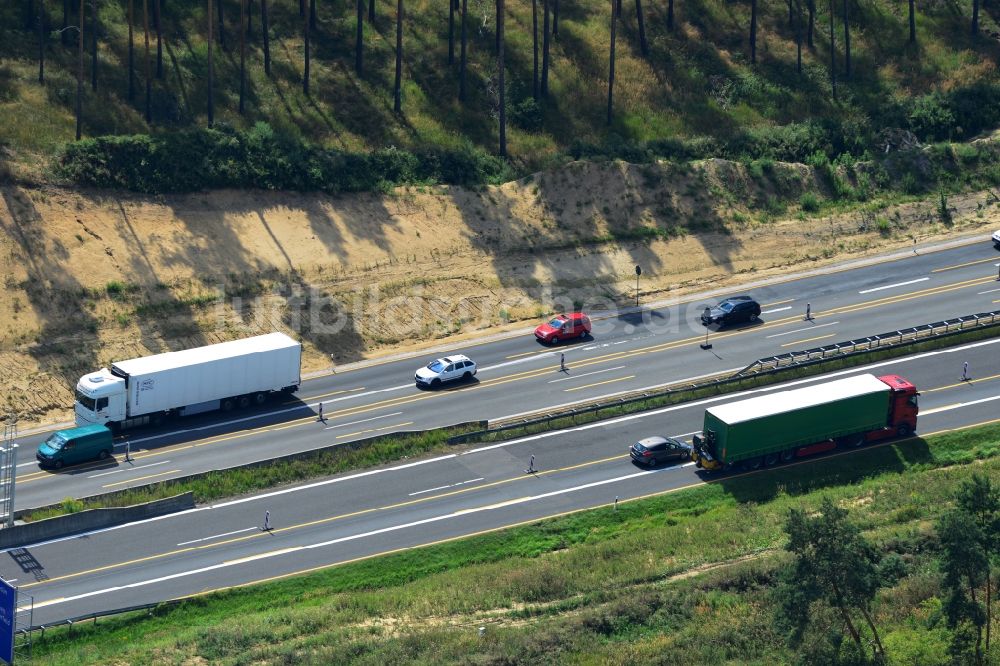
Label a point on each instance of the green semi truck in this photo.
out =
(784, 425)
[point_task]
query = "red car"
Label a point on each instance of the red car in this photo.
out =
(564, 327)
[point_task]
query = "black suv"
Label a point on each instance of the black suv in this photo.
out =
(732, 311)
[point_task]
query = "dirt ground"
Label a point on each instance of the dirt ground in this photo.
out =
(92, 277)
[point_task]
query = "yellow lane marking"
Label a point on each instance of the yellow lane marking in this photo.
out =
(799, 342)
(968, 263)
(607, 381)
(525, 354)
(361, 432)
(962, 383)
(140, 478)
(321, 521)
(767, 305)
(997, 301)
(327, 395)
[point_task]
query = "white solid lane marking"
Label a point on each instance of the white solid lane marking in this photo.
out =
(128, 469)
(586, 374)
(802, 330)
(957, 405)
(450, 485)
(988, 291)
(218, 536)
(374, 418)
(890, 286)
(773, 310)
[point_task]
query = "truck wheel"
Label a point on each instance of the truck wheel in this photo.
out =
(228, 404)
(103, 455)
(57, 464)
(787, 455)
(770, 460)
(903, 430)
(752, 464)
(244, 401)
(259, 398)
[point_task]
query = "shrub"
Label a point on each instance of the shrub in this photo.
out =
(930, 118)
(527, 115)
(200, 159)
(809, 202)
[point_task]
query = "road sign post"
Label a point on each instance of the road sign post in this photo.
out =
(638, 272)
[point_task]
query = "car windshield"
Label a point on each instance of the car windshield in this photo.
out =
(436, 366)
(86, 401)
(727, 306)
(56, 441)
(639, 446)
(557, 323)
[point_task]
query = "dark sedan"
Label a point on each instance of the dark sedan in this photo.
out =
(732, 311)
(652, 451)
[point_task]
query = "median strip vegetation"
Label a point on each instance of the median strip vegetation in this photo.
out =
(692, 576)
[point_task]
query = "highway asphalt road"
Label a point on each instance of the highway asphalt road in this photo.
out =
(519, 375)
(375, 511)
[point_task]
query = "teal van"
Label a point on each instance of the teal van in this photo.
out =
(69, 447)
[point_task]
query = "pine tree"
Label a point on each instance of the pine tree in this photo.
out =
(461, 73)
(149, 80)
(611, 67)
(847, 41)
(545, 48)
(913, 22)
(305, 54)
(964, 563)
(243, 55)
(79, 78)
(503, 88)
(534, 48)
(267, 39)
(753, 31)
(359, 37)
(398, 89)
(211, 66)
(643, 46)
(835, 565)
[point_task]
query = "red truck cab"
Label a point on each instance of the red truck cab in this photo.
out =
(903, 408)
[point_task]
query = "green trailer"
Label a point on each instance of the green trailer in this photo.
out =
(778, 426)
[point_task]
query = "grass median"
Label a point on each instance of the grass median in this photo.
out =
(684, 577)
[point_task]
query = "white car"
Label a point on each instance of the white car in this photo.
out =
(996, 239)
(447, 369)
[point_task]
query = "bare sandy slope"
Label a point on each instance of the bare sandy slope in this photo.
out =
(92, 277)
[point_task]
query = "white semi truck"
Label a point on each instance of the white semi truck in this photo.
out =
(222, 376)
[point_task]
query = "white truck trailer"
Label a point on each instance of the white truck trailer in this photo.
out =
(222, 376)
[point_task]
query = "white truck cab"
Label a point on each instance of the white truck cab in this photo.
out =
(100, 398)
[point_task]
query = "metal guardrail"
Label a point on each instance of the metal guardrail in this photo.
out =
(79, 619)
(872, 342)
(761, 367)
